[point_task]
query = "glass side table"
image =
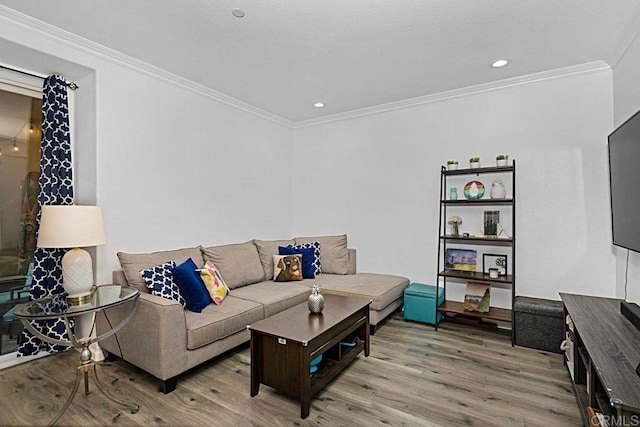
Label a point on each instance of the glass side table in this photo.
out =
(56, 307)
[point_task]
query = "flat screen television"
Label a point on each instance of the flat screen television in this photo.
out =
(624, 181)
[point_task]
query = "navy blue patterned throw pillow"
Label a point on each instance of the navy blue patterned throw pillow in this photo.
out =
(308, 270)
(317, 267)
(191, 286)
(159, 280)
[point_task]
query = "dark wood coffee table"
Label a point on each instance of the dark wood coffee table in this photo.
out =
(283, 346)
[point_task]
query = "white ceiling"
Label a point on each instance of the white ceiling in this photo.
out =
(350, 54)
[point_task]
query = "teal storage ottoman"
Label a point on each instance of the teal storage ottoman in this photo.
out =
(419, 303)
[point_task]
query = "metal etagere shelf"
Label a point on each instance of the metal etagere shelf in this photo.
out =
(447, 275)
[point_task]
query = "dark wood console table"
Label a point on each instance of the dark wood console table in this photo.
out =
(606, 352)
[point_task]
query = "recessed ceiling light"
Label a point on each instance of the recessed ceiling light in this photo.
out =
(318, 105)
(500, 63)
(238, 13)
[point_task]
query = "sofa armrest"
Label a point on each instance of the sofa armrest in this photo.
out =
(119, 278)
(155, 339)
(351, 261)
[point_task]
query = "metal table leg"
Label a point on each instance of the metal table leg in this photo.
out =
(82, 372)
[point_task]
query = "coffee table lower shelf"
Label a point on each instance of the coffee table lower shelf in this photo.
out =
(332, 367)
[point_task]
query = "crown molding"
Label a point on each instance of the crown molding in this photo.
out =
(587, 68)
(33, 25)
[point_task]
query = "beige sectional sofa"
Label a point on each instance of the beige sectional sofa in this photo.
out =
(165, 339)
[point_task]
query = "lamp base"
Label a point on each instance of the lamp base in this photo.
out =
(77, 276)
(79, 299)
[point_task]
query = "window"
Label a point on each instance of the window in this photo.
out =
(20, 118)
(20, 132)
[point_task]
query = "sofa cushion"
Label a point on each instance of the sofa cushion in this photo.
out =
(275, 297)
(381, 288)
(191, 286)
(266, 250)
(216, 322)
(287, 268)
(238, 263)
(312, 262)
(214, 283)
(159, 279)
(133, 263)
(333, 252)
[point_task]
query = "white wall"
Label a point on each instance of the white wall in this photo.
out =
(170, 167)
(187, 171)
(176, 169)
(626, 92)
(377, 178)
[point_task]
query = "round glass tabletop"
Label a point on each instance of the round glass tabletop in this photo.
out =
(55, 306)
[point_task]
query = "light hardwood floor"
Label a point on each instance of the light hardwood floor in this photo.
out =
(414, 377)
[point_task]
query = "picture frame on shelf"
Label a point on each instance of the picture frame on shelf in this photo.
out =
(491, 220)
(477, 297)
(461, 259)
(498, 261)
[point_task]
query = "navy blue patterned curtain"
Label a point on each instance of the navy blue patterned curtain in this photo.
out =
(55, 188)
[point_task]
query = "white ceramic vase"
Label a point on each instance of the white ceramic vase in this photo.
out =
(501, 162)
(474, 165)
(498, 190)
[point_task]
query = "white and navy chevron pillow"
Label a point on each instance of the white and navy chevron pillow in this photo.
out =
(159, 280)
(317, 267)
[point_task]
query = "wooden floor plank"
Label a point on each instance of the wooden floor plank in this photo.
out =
(415, 376)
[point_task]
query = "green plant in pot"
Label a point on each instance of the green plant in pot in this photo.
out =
(502, 159)
(474, 162)
(452, 164)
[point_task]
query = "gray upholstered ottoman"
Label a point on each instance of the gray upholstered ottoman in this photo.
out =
(539, 323)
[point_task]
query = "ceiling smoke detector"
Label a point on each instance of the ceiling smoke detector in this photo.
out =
(238, 13)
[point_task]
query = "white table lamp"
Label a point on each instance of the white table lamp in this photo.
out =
(73, 227)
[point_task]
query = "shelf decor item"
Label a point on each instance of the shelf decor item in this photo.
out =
(502, 231)
(474, 162)
(474, 190)
(453, 193)
(491, 221)
(455, 222)
(498, 190)
(315, 300)
(490, 261)
(452, 165)
(477, 297)
(460, 259)
(502, 159)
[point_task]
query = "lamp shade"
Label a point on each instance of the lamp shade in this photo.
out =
(70, 226)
